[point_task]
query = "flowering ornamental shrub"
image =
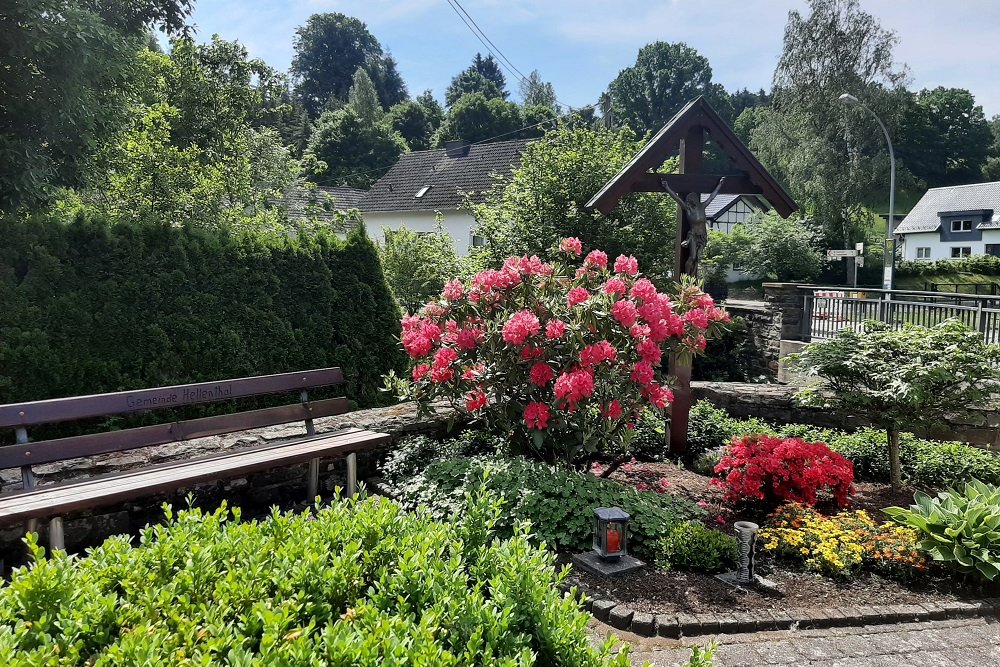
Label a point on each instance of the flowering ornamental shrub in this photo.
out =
(843, 543)
(775, 470)
(561, 355)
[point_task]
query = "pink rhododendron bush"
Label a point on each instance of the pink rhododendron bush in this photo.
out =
(561, 356)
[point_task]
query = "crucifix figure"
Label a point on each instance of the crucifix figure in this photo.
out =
(694, 211)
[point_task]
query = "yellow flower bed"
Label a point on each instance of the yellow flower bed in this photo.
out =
(843, 543)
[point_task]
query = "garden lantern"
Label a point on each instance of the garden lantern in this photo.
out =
(610, 533)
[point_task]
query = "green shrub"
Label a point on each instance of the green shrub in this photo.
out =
(359, 582)
(958, 528)
(559, 503)
(985, 265)
(648, 441)
(693, 546)
(90, 307)
(930, 463)
(710, 428)
(411, 455)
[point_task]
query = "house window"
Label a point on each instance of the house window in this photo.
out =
(923, 253)
(961, 251)
(993, 249)
(421, 192)
(478, 241)
(961, 225)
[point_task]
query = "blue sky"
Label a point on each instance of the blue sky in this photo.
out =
(580, 45)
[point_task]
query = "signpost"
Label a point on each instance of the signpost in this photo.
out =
(858, 253)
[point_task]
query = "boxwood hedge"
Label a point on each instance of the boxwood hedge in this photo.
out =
(357, 583)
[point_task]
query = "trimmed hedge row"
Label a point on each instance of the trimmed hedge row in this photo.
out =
(986, 265)
(931, 463)
(89, 307)
(359, 582)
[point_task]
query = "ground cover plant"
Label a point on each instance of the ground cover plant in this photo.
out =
(959, 528)
(558, 502)
(360, 582)
(563, 357)
(842, 544)
(763, 468)
(930, 463)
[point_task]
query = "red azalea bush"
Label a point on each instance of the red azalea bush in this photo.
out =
(560, 355)
(776, 470)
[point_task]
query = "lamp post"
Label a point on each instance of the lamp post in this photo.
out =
(888, 273)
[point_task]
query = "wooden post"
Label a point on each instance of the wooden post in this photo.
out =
(692, 147)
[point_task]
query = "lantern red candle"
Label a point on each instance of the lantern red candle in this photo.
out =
(614, 545)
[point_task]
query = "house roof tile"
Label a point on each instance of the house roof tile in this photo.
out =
(445, 178)
(978, 196)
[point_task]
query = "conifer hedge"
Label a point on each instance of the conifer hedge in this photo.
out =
(89, 307)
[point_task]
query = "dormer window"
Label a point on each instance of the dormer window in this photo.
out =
(961, 225)
(421, 192)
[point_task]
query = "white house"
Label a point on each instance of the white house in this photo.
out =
(953, 222)
(423, 183)
(727, 211)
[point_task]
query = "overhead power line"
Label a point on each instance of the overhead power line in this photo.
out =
(495, 51)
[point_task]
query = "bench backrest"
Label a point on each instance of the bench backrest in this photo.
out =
(21, 416)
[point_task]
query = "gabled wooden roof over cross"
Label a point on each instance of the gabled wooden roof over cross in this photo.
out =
(693, 121)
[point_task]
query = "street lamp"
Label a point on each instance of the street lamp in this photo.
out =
(888, 277)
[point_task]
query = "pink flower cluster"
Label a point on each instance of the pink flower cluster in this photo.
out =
(577, 345)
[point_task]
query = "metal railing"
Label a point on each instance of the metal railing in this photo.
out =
(827, 310)
(991, 289)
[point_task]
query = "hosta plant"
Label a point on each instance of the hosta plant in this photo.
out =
(772, 470)
(958, 528)
(563, 356)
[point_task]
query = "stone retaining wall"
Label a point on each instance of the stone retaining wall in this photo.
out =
(776, 403)
(255, 494)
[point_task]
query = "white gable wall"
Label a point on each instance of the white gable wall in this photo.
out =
(458, 224)
(942, 249)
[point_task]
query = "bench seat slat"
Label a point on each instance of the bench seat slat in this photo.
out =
(142, 400)
(61, 449)
(101, 491)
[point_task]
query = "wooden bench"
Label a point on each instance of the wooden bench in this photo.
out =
(33, 503)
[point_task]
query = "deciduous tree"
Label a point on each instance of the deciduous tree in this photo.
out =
(66, 75)
(535, 92)
(545, 198)
(664, 78)
(474, 117)
(355, 154)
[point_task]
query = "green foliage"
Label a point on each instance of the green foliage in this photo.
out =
(959, 528)
(483, 76)
(90, 307)
(67, 77)
(985, 265)
(536, 92)
(929, 463)
(417, 265)
(833, 47)
(559, 503)
(648, 442)
(769, 247)
(945, 137)
(901, 378)
(192, 150)
(363, 100)
(544, 201)
(411, 455)
(329, 49)
(358, 582)
(693, 546)
(414, 122)
(665, 77)
(355, 154)
(476, 117)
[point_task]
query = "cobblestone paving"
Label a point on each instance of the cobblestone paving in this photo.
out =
(958, 643)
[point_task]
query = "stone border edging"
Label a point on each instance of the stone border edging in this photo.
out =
(677, 625)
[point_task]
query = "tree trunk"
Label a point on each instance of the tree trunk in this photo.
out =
(895, 468)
